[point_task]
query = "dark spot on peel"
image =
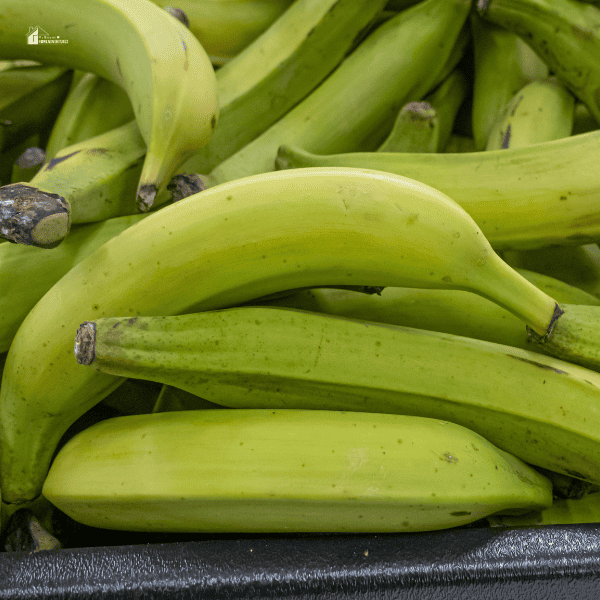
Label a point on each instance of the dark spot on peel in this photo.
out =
(537, 364)
(460, 513)
(55, 161)
(506, 138)
(213, 121)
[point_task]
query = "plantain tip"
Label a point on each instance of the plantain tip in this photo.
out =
(482, 6)
(85, 343)
(540, 339)
(32, 216)
(32, 157)
(184, 185)
(179, 14)
(145, 196)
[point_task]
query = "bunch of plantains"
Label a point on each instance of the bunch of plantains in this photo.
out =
(332, 264)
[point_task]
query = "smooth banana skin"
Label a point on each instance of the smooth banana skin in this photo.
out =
(543, 410)
(93, 107)
(226, 27)
(30, 99)
(282, 66)
(565, 34)
(576, 265)
(99, 176)
(286, 471)
(447, 311)
(562, 512)
(416, 129)
(137, 45)
(541, 111)
(532, 66)
(522, 198)
(447, 99)
(255, 236)
(27, 273)
(357, 104)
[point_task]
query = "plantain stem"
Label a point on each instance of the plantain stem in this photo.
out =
(32, 216)
(85, 343)
(522, 298)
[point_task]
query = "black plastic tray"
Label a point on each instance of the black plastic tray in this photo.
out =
(549, 562)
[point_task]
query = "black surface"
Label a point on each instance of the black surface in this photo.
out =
(551, 562)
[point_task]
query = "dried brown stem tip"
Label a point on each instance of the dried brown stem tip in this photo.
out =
(145, 197)
(32, 157)
(419, 111)
(178, 14)
(31, 216)
(85, 343)
(184, 185)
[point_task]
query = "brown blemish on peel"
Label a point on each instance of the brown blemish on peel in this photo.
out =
(537, 364)
(506, 138)
(57, 160)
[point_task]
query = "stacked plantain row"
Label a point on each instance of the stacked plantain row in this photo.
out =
(333, 263)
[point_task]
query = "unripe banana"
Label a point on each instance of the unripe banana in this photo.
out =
(99, 176)
(543, 410)
(565, 33)
(532, 66)
(522, 198)
(286, 471)
(93, 107)
(541, 111)
(498, 76)
(226, 27)
(27, 273)
(137, 45)
(447, 311)
(226, 245)
(356, 105)
(416, 129)
(284, 64)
